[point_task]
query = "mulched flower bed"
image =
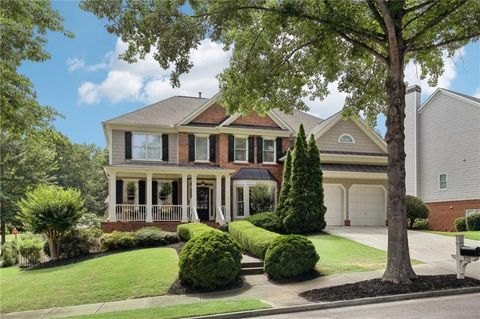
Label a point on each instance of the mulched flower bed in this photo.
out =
(376, 288)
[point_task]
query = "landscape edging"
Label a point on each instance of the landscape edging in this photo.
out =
(341, 304)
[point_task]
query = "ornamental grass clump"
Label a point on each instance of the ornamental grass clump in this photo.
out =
(210, 261)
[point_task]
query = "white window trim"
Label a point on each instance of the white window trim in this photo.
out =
(346, 134)
(208, 148)
(439, 182)
(235, 146)
(146, 151)
(274, 150)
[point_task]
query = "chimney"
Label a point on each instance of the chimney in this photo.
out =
(199, 95)
(412, 131)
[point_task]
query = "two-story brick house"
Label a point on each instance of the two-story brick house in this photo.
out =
(185, 159)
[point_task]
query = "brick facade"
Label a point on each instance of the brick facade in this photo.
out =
(215, 114)
(443, 214)
(108, 227)
(254, 119)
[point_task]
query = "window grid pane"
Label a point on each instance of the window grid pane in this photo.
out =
(201, 148)
(147, 147)
(268, 151)
(240, 147)
(240, 204)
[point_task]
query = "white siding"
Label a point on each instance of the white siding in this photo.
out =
(363, 143)
(449, 142)
(412, 101)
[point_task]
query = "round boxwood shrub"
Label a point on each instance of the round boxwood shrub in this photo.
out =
(210, 260)
(268, 220)
(154, 236)
(420, 224)
(416, 209)
(473, 221)
(290, 256)
(118, 240)
(460, 224)
(10, 254)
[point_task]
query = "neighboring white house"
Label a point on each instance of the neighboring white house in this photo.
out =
(442, 144)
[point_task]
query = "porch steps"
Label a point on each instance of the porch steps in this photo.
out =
(252, 268)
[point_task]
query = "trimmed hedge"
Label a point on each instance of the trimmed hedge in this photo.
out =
(187, 231)
(268, 220)
(75, 242)
(154, 236)
(210, 260)
(254, 240)
(290, 256)
(473, 221)
(460, 224)
(420, 224)
(118, 240)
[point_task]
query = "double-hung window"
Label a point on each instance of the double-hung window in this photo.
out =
(268, 150)
(241, 149)
(442, 181)
(239, 200)
(147, 146)
(201, 148)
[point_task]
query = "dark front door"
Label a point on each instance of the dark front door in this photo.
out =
(203, 202)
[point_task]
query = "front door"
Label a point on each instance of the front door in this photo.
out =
(203, 202)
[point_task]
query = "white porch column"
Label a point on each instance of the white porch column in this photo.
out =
(246, 201)
(193, 199)
(228, 212)
(149, 198)
(184, 198)
(218, 193)
(112, 196)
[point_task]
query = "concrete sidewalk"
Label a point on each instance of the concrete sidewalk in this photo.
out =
(255, 286)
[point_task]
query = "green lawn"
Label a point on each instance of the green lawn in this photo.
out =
(475, 235)
(182, 311)
(339, 255)
(132, 274)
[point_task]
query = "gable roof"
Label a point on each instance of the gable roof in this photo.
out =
(326, 125)
(460, 96)
(166, 112)
(298, 117)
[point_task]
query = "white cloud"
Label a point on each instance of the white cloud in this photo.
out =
(76, 63)
(146, 82)
(330, 105)
(477, 93)
(412, 73)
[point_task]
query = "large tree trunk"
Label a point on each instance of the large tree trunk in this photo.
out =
(3, 231)
(399, 268)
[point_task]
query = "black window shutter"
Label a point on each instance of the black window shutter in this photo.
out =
(278, 144)
(119, 192)
(251, 149)
(141, 192)
(128, 145)
(213, 147)
(230, 148)
(154, 192)
(175, 193)
(165, 147)
(259, 149)
(191, 147)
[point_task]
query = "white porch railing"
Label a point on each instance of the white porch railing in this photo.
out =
(167, 213)
(129, 212)
(220, 215)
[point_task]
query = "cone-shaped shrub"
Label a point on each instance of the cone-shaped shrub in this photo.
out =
(316, 213)
(283, 197)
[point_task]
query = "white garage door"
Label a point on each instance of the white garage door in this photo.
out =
(333, 200)
(367, 205)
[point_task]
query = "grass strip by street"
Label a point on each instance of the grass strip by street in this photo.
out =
(183, 311)
(340, 255)
(475, 235)
(131, 274)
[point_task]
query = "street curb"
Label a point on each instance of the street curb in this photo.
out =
(341, 304)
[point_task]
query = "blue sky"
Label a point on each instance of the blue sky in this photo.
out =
(86, 82)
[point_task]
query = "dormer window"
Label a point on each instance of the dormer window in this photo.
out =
(346, 138)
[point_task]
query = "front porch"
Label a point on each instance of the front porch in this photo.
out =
(167, 195)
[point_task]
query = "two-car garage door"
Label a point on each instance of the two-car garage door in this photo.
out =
(366, 204)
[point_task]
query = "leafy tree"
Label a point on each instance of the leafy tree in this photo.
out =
(22, 38)
(416, 209)
(282, 198)
(25, 162)
(285, 50)
(296, 219)
(52, 211)
(262, 198)
(316, 214)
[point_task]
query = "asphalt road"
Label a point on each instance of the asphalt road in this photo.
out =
(451, 307)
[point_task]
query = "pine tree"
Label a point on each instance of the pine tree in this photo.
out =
(283, 197)
(297, 205)
(316, 213)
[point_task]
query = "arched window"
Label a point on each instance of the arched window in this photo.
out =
(346, 138)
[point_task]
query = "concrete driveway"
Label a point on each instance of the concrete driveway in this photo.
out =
(426, 247)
